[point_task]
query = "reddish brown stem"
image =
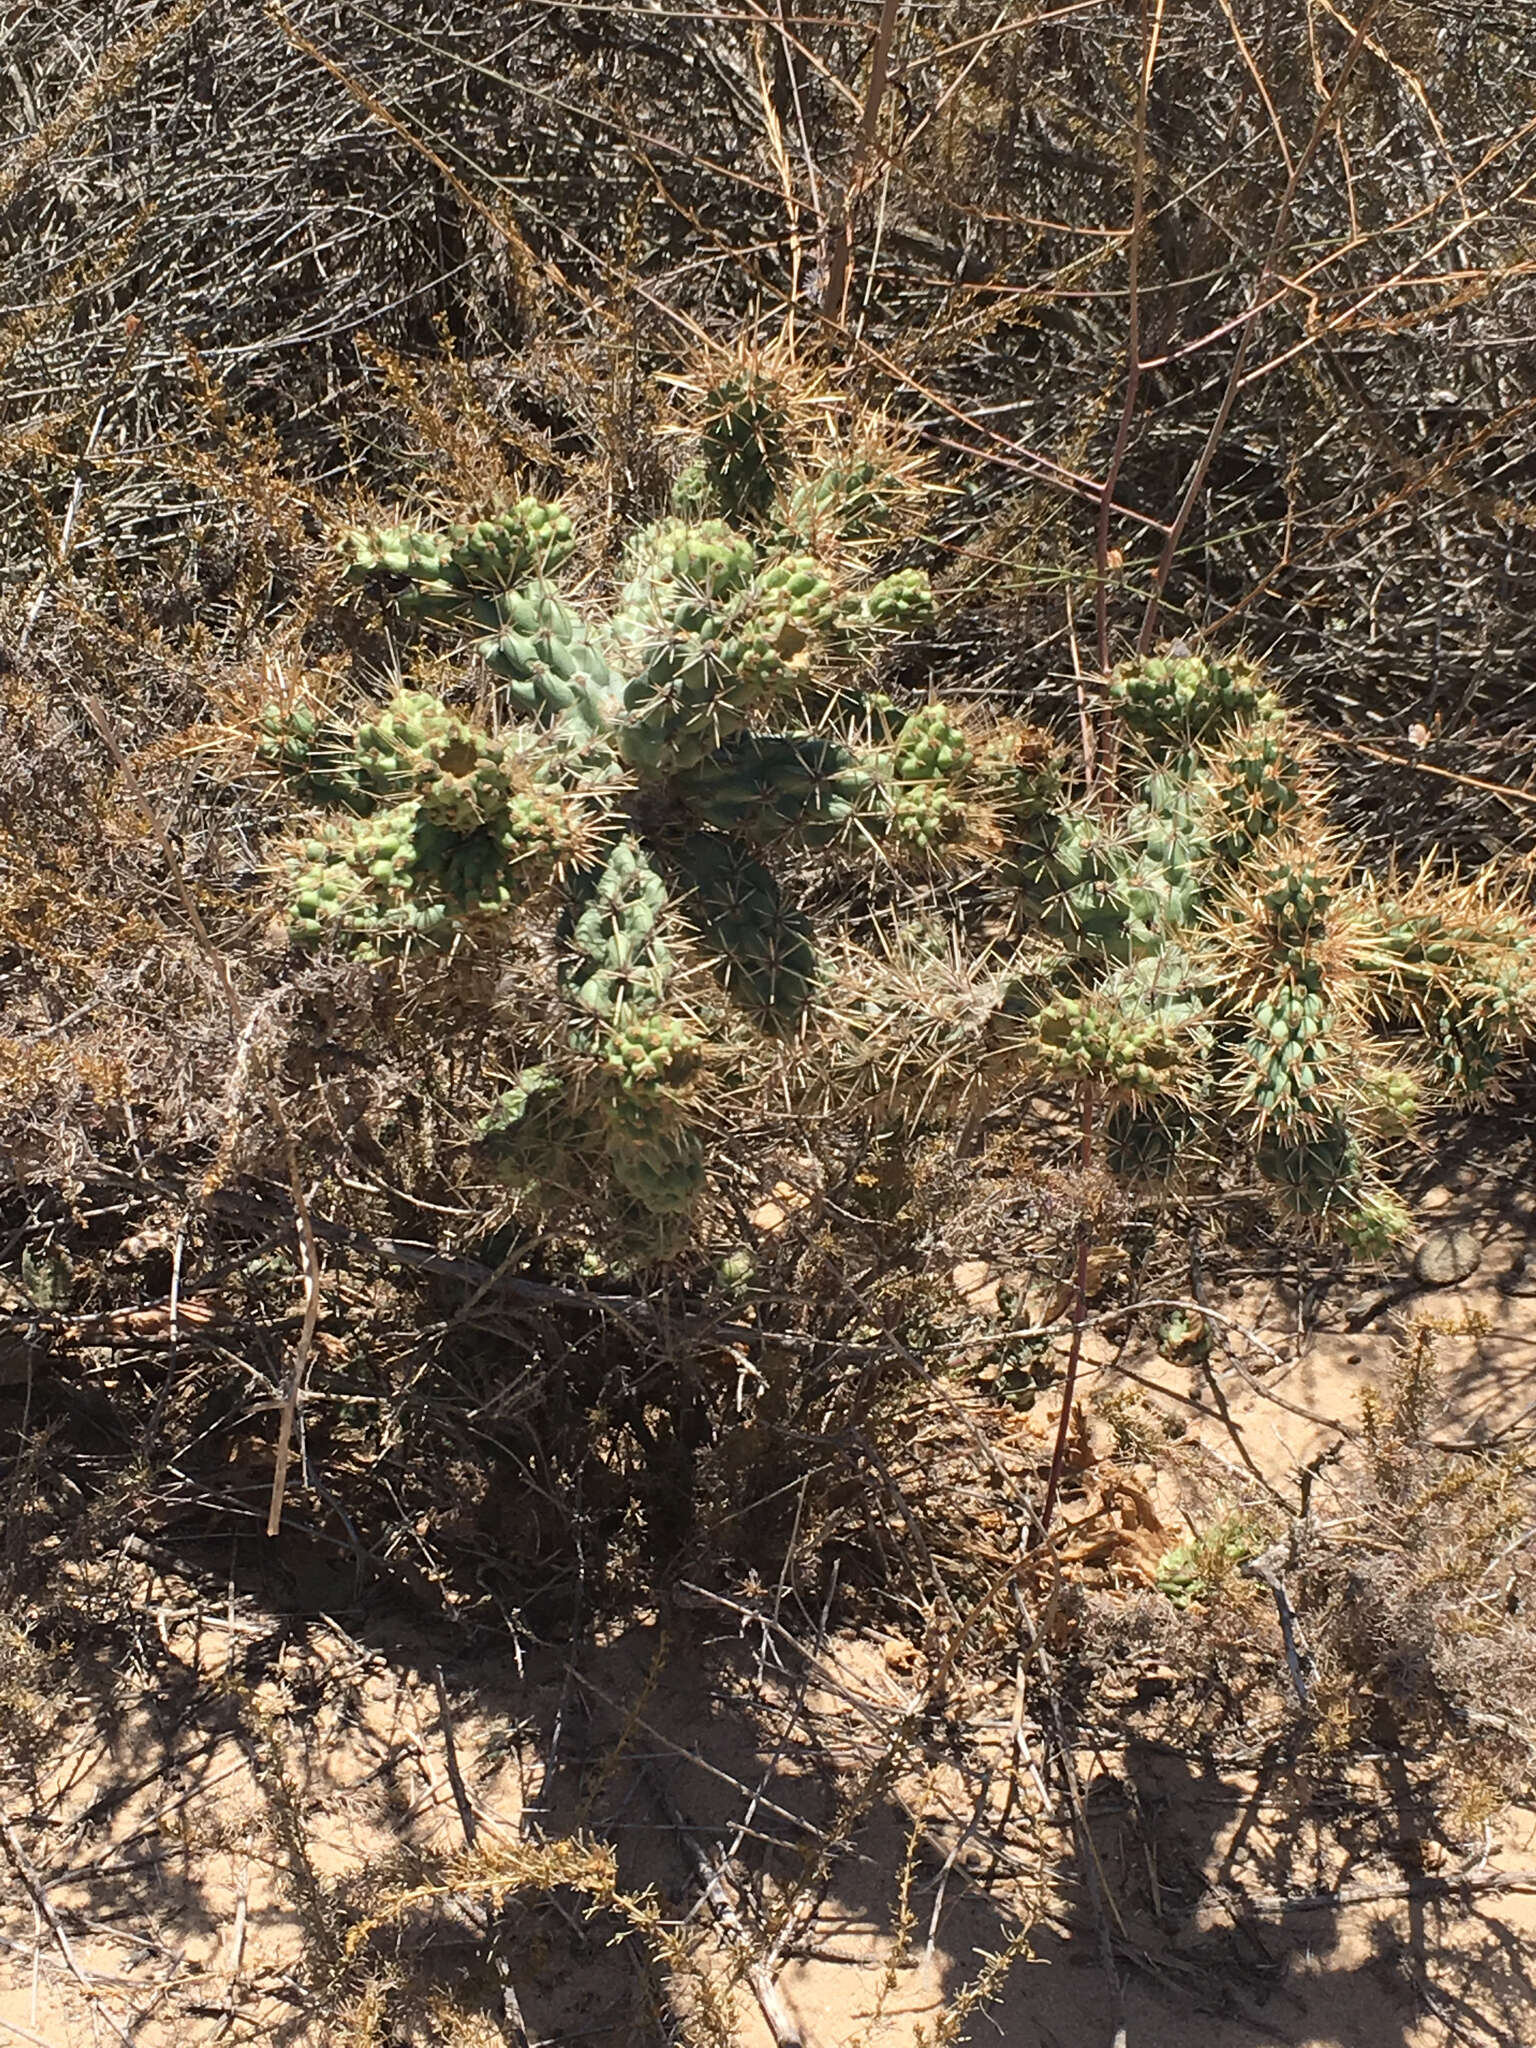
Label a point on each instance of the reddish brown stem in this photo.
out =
(834, 297)
(1079, 1319)
(1149, 42)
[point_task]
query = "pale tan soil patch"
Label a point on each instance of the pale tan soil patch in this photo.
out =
(245, 1779)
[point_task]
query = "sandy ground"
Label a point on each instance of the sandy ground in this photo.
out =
(219, 1803)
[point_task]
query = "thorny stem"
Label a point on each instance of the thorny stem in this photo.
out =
(1079, 1319)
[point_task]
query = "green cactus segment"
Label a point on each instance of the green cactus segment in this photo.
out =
(462, 778)
(763, 945)
(1169, 700)
(705, 638)
(621, 963)
(1297, 902)
(533, 1134)
(1078, 875)
(399, 876)
(1258, 792)
(854, 500)
(1324, 1177)
(317, 757)
(1148, 1142)
(772, 786)
(1285, 1066)
(1469, 982)
(554, 669)
(744, 445)
(528, 539)
(664, 1170)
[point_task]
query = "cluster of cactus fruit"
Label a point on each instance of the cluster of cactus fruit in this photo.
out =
(1188, 947)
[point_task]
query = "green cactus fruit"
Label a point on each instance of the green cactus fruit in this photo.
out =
(1082, 1039)
(925, 814)
(462, 778)
(643, 1051)
(795, 590)
(363, 887)
(711, 561)
(744, 445)
(1372, 1222)
(1394, 1100)
(527, 539)
(931, 746)
(900, 601)
(1170, 699)
(898, 604)
(539, 824)
(316, 755)
(692, 497)
(769, 786)
(764, 947)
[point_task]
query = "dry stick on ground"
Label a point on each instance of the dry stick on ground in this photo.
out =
(712, 1878)
(242, 1021)
(25, 2033)
(38, 1893)
(1079, 1320)
(1275, 1904)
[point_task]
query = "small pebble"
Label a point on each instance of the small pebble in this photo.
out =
(1447, 1257)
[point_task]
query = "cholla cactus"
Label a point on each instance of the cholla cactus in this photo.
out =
(1189, 948)
(1234, 990)
(653, 762)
